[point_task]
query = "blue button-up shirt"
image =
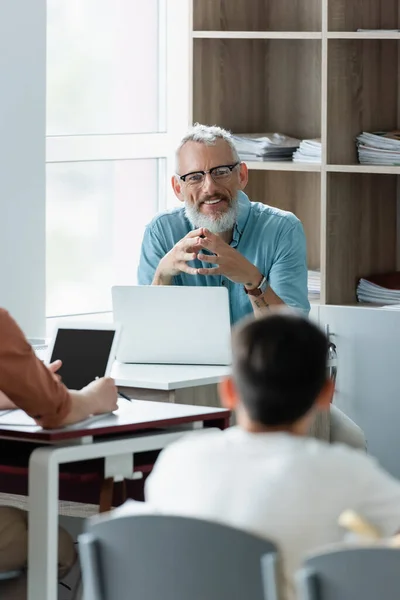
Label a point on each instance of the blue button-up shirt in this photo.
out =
(271, 239)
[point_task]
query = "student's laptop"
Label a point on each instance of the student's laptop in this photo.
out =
(87, 351)
(173, 324)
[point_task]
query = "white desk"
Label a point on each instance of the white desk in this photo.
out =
(135, 427)
(181, 384)
(167, 377)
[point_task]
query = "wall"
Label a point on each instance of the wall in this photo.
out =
(22, 161)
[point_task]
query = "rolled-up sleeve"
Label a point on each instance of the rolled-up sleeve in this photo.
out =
(26, 380)
(288, 274)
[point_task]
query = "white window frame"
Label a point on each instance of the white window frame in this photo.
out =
(175, 106)
(23, 151)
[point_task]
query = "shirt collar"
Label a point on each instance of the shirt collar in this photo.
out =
(244, 205)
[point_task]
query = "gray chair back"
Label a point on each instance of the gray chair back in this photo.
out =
(154, 557)
(351, 574)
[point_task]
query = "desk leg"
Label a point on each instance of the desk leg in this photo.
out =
(43, 525)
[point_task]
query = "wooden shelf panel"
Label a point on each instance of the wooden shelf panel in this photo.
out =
(256, 15)
(281, 92)
(282, 166)
(361, 231)
(370, 35)
(376, 169)
(350, 15)
(362, 93)
(296, 192)
(258, 35)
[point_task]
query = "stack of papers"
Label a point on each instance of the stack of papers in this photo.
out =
(314, 285)
(309, 151)
(379, 148)
(376, 294)
(265, 146)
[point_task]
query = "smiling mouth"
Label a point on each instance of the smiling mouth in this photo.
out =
(214, 201)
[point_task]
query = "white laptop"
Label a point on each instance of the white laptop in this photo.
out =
(173, 324)
(87, 351)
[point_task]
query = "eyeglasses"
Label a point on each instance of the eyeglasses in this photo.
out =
(217, 173)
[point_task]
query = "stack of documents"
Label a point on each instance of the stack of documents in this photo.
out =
(265, 146)
(380, 289)
(314, 285)
(309, 151)
(379, 148)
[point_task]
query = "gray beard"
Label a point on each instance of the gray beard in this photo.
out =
(224, 222)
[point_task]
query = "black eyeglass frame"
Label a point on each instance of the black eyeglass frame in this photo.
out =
(210, 171)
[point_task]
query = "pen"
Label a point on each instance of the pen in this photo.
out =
(124, 396)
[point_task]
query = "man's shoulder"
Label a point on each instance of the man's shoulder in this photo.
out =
(172, 217)
(338, 456)
(270, 215)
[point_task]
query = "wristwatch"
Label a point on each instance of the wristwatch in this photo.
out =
(260, 289)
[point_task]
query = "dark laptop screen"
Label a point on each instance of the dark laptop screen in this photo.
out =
(84, 353)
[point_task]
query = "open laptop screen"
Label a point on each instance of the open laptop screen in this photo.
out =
(84, 354)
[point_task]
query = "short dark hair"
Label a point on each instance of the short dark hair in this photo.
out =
(279, 367)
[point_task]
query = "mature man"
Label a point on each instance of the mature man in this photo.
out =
(218, 237)
(25, 382)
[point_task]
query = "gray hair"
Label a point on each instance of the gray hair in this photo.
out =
(208, 135)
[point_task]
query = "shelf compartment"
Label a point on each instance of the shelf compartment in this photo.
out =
(362, 93)
(257, 15)
(296, 192)
(361, 231)
(350, 15)
(280, 93)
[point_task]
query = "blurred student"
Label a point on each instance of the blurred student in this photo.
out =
(266, 475)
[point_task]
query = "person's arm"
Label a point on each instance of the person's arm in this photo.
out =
(152, 251)
(5, 402)
(287, 279)
(29, 384)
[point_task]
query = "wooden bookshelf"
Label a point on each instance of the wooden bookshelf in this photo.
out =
(301, 67)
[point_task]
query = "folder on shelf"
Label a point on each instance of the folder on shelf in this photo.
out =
(383, 288)
(309, 151)
(265, 146)
(379, 148)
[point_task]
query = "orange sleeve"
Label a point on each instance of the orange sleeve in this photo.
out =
(26, 380)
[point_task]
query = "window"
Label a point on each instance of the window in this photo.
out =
(113, 121)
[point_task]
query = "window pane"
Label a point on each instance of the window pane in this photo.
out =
(96, 215)
(103, 67)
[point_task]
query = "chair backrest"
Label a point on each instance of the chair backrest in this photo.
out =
(149, 557)
(371, 573)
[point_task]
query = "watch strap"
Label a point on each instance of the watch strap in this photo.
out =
(259, 290)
